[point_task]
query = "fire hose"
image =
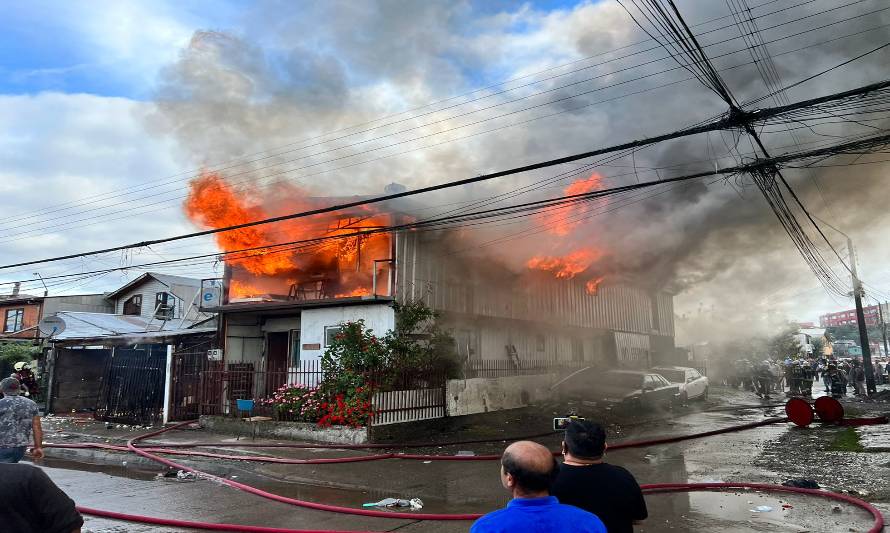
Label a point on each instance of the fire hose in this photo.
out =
(151, 453)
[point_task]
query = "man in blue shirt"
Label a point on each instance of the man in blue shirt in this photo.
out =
(527, 471)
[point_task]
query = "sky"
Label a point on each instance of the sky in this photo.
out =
(108, 108)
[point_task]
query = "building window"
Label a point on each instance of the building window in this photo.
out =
(295, 348)
(329, 333)
(14, 320)
(165, 306)
(133, 305)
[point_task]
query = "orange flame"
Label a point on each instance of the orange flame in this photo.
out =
(565, 267)
(593, 285)
(331, 268)
(212, 203)
(562, 221)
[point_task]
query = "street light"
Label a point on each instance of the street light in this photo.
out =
(45, 289)
(860, 314)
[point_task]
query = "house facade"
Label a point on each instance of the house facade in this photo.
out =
(157, 297)
(19, 315)
(493, 312)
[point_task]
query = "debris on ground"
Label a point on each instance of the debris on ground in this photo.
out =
(178, 475)
(413, 503)
(802, 483)
(761, 509)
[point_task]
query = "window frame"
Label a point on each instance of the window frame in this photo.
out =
(334, 329)
(20, 321)
(169, 304)
(129, 301)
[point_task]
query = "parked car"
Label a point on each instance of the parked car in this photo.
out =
(692, 384)
(631, 389)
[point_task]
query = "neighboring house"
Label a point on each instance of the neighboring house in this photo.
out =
(119, 367)
(159, 297)
(19, 315)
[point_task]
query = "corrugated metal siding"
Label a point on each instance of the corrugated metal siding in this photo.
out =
(633, 350)
(90, 303)
(446, 285)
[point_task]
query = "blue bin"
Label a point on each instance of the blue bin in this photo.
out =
(245, 405)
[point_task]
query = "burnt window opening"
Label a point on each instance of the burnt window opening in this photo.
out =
(165, 306)
(133, 305)
(329, 333)
(14, 320)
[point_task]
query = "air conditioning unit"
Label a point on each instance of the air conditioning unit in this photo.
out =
(215, 354)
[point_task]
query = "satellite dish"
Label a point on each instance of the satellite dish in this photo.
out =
(51, 325)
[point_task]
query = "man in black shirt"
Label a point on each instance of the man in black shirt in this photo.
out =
(608, 491)
(31, 503)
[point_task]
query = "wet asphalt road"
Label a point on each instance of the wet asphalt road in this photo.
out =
(466, 486)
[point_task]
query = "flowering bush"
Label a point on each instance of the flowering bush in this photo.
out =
(348, 410)
(296, 402)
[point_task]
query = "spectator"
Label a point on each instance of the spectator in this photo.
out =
(31, 503)
(19, 418)
(527, 471)
(586, 481)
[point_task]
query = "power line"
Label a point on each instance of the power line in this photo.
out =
(236, 163)
(249, 172)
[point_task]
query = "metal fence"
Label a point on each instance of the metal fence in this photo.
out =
(219, 390)
(408, 395)
(399, 396)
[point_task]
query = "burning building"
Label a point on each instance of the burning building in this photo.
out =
(282, 305)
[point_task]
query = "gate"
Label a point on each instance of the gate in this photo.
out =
(133, 389)
(186, 382)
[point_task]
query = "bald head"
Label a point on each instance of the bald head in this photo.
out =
(530, 465)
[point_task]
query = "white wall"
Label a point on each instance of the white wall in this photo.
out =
(379, 317)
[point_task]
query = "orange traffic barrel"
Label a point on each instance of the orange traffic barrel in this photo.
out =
(799, 411)
(828, 409)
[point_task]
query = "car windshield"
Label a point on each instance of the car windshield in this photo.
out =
(675, 376)
(620, 379)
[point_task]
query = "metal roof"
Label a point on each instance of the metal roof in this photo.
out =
(85, 325)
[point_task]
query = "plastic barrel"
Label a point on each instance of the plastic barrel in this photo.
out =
(800, 412)
(829, 410)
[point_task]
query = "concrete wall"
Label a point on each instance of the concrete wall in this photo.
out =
(284, 430)
(481, 395)
(379, 317)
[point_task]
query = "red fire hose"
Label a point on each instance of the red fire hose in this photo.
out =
(877, 524)
(150, 453)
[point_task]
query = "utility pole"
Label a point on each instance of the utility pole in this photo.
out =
(45, 289)
(860, 319)
(860, 314)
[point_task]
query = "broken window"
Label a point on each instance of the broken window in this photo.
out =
(133, 305)
(165, 306)
(14, 320)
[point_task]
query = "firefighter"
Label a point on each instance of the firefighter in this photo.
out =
(28, 380)
(764, 379)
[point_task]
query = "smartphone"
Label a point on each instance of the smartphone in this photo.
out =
(560, 423)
